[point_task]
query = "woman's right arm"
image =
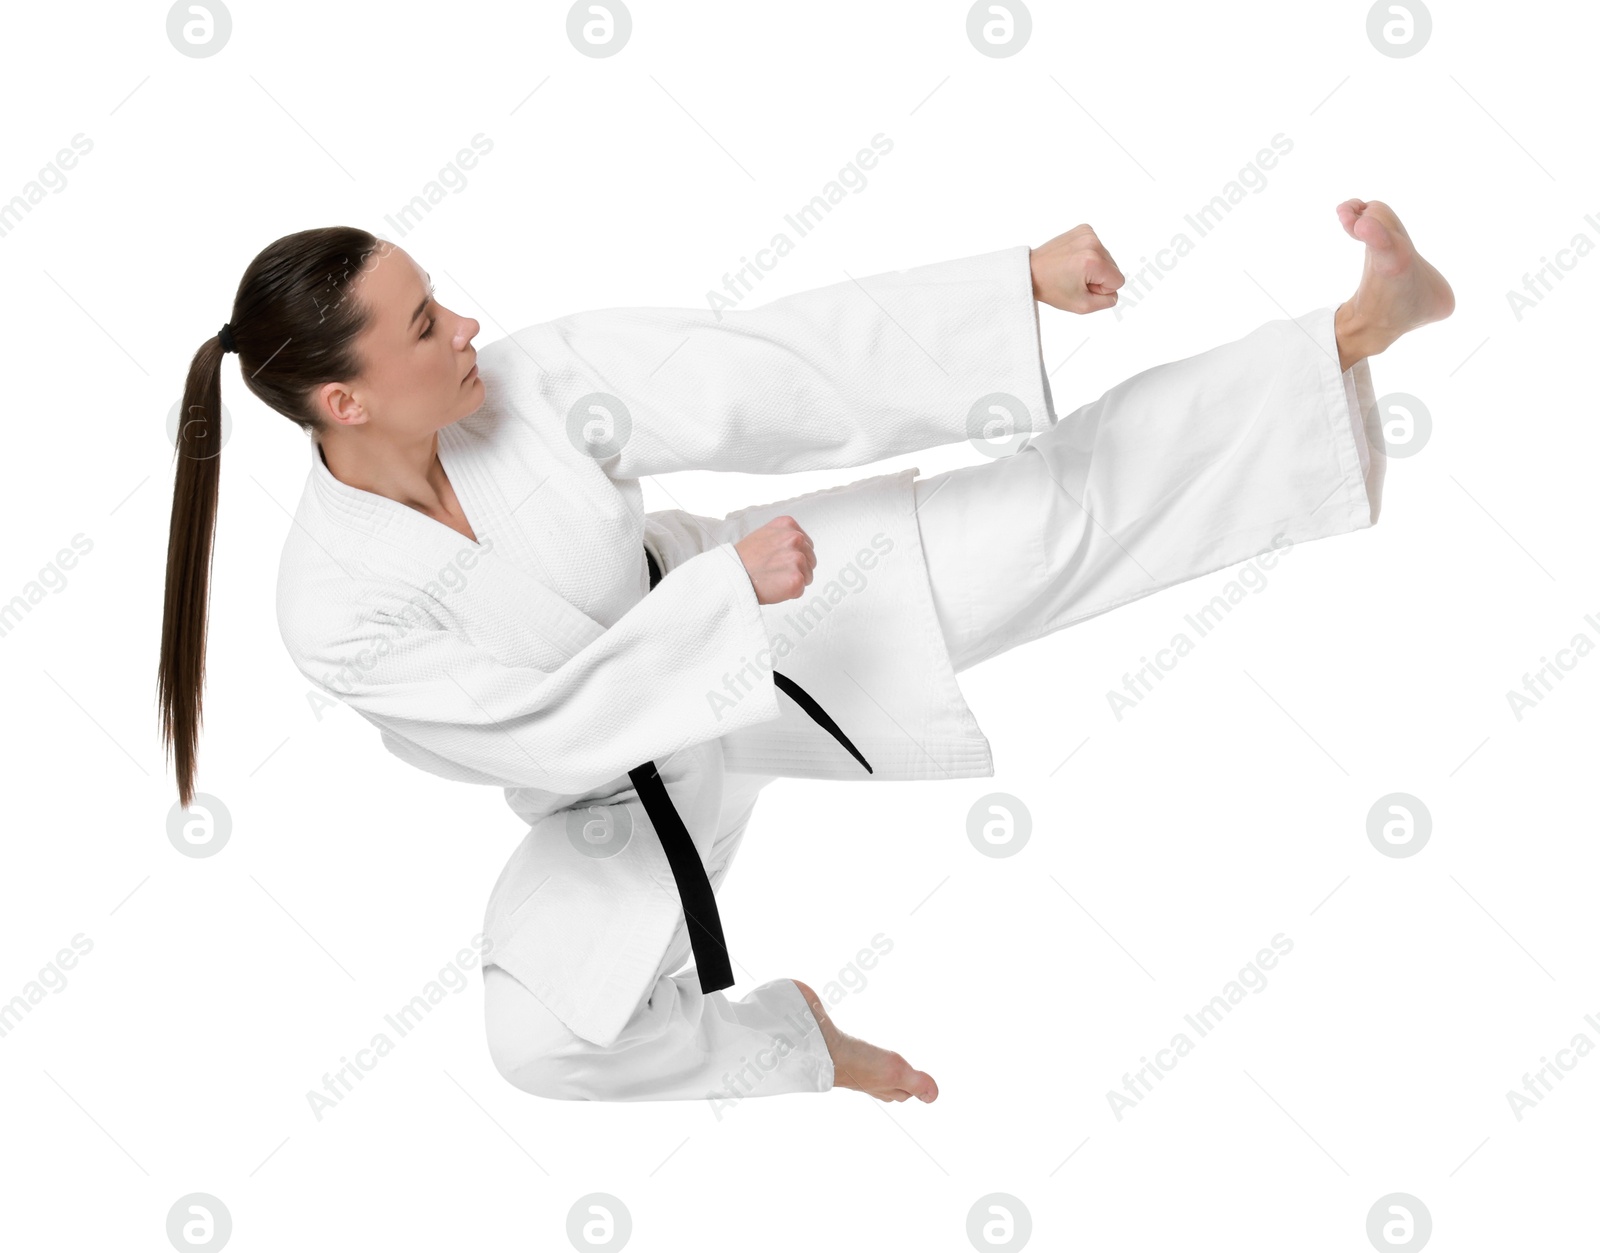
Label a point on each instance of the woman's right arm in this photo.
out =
(690, 662)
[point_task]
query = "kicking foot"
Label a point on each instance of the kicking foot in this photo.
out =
(866, 1067)
(1399, 291)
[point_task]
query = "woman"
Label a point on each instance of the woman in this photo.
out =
(471, 569)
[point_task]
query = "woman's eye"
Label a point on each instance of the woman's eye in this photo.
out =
(427, 332)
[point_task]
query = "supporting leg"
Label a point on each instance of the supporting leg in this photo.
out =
(681, 1045)
(878, 1072)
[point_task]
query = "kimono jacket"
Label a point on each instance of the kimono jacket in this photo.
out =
(539, 660)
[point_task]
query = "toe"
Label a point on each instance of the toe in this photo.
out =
(1371, 231)
(920, 1084)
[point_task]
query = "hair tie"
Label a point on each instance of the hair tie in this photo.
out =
(225, 338)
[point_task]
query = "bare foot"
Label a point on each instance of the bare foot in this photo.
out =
(1399, 291)
(866, 1067)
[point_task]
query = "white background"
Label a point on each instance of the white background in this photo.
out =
(1231, 805)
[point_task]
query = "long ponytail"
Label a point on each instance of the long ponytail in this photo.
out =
(295, 323)
(181, 676)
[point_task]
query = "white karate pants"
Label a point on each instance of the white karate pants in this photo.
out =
(1179, 471)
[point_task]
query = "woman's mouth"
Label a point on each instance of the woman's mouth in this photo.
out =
(471, 374)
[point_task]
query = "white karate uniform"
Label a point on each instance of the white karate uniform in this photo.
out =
(1179, 471)
(538, 660)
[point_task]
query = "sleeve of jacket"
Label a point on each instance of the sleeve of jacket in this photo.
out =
(689, 663)
(837, 376)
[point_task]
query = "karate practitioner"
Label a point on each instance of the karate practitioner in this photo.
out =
(465, 572)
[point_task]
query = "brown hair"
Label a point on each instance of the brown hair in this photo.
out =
(294, 323)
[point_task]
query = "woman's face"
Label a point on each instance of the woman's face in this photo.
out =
(420, 366)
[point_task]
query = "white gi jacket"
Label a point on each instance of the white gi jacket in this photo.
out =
(536, 661)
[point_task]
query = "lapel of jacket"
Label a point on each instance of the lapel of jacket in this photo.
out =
(561, 622)
(424, 545)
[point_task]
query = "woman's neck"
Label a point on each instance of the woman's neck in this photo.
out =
(412, 475)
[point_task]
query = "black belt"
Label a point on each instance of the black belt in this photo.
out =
(694, 887)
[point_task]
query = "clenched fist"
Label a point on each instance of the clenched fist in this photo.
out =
(1074, 272)
(779, 559)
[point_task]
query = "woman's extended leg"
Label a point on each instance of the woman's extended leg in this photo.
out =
(1180, 470)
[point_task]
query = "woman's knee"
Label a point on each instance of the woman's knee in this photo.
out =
(525, 1039)
(540, 1076)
